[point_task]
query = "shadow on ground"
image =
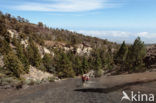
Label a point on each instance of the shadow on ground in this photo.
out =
(114, 88)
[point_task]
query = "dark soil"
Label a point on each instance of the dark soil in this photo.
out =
(101, 90)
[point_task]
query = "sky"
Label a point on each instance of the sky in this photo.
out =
(115, 20)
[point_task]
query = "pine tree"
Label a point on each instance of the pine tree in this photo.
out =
(48, 63)
(121, 54)
(136, 55)
(98, 67)
(13, 64)
(3, 29)
(108, 64)
(77, 65)
(85, 65)
(22, 56)
(98, 63)
(33, 55)
(4, 46)
(65, 66)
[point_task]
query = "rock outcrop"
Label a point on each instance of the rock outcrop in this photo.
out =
(36, 75)
(13, 33)
(25, 42)
(44, 50)
(82, 49)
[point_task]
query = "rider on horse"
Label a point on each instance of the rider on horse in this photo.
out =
(85, 78)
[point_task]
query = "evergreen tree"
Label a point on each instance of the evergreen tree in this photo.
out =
(136, 54)
(77, 66)
(109, 63)
(65, 67)
(13, 64)
(48, 63)
(4, 46)
(3, 29)
(98, 67)
(98, 63)
(85, 65)
(33, 54)
(121, 54)
(22, 56)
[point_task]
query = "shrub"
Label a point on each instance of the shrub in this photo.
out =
(98, 73)
(48, 63)
(22, 56)
(4, 46)
(33, 55)
(13, 64)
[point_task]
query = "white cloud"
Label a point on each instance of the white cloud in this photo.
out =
(119, 36)
(106, 33)
(66, 5)
(147, 35)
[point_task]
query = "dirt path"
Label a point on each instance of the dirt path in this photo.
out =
(102, 90)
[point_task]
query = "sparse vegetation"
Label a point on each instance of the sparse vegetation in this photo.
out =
(104, 55)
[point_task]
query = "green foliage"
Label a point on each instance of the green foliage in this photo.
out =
(65, 64)
(3, 29)
(65, 67)
(109, 61)
(13, 64)
(48, 63)
(135, 56)
(98, 73)
(37, 39)
(4, 46)
(33, 55)
(85, 65)
(98, 63)
(21, 53)
(120, 57)
(42, 67)
(121, 54)
(77, 66)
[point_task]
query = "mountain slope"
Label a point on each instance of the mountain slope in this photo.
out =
(57, 51)
(61, 52)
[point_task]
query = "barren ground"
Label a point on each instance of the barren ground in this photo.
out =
(100, 90)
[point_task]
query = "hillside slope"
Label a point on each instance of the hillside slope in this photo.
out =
(61, 52)
(57, 51)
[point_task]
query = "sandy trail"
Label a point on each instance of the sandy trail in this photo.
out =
(102, 90)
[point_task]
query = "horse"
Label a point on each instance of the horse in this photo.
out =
(86, 77)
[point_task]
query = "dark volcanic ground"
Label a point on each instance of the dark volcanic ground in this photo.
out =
(72, 91)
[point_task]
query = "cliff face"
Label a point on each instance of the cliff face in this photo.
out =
(82, 49)
(43, 50)
(79, 49)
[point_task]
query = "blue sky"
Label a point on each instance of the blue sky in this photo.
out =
(115, 20)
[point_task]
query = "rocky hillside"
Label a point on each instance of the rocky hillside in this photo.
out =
(51, 52)
(27, 48)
